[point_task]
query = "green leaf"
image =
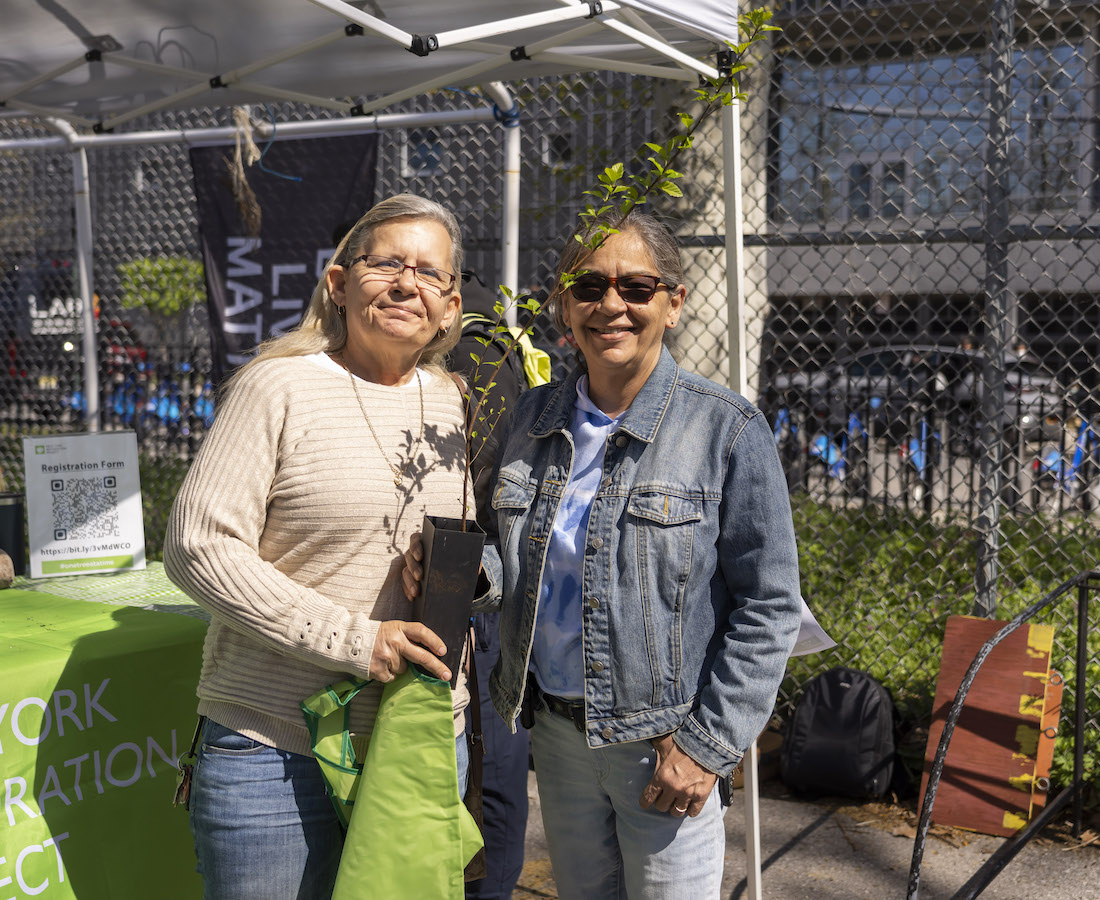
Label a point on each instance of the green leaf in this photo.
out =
(673, 190)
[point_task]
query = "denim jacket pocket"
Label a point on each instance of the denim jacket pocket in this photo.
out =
(661, 529)
(512, 499)
(664, 508)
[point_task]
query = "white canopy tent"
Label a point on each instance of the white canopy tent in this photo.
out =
(93, 71)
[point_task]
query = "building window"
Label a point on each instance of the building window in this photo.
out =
(875, 187)
(859, 190)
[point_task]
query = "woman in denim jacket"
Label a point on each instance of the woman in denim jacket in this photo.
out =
(649, 577)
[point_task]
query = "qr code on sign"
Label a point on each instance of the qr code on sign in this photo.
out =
(85, 508)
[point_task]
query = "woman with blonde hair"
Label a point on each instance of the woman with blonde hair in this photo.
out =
(327, 450)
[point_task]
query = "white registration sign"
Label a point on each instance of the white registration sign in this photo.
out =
(83, 503)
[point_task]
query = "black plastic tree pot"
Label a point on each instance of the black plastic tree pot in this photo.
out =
(452, 561)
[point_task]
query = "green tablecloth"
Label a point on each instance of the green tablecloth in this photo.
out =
(97, 699)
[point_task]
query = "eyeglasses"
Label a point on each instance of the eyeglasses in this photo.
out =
(428, 276)
(632, 288)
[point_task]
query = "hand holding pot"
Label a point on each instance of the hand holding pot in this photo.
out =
(413, 571)
(399, 643)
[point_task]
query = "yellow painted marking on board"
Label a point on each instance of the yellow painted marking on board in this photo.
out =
(1031, 706)
(1027, 740)
(1040, 641)
(1013, 820)
(1041, 676)
(1022, 782)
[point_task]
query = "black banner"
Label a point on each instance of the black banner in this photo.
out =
(259, 286)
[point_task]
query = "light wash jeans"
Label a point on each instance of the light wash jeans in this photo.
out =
(263, 825)
(603, 845)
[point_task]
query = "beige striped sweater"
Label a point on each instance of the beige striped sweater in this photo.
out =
(288, 529)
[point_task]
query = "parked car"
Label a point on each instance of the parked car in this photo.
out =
(893, 386)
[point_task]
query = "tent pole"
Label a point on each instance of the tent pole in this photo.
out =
(82, 210)
(735, 305)
(195, 137)
(508, 111)
(735, 249)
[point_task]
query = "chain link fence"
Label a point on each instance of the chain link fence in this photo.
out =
(922, 282)
(929, 337)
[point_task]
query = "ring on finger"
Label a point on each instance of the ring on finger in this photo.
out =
(681, 809)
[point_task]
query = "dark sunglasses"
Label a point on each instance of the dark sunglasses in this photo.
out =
(632, 288)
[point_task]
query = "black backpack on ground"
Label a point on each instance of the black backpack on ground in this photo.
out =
(840, 739)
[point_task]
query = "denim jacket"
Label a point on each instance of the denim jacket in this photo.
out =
(690, 596)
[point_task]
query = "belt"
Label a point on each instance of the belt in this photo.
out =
(568, 709)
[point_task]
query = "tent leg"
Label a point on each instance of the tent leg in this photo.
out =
(735, 249)
(510, 219)
(752, 822)
(82, 212)
(83, 209)
(735, 305)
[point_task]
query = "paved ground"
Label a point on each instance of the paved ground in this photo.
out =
(828, 851)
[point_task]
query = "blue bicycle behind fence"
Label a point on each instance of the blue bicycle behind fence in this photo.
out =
(832, 453)
(167, 404)
(1062, 477)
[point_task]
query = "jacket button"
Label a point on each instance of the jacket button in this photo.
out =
(596, 543)
(607, 734)
(621, 440)
(593, 603)
(597, 666)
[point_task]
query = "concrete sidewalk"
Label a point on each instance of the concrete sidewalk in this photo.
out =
(828, 851)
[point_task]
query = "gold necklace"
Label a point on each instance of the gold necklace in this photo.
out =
(398, 474)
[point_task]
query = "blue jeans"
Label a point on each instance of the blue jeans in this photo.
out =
(603, 845)
(504, 779)
(263, 825)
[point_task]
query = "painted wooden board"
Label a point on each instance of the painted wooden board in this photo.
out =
(991, 764)
(1048, 731)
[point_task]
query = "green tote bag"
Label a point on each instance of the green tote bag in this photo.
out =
(409, 835)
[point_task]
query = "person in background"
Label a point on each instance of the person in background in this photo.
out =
(649, 583)
(507, 754)
(325, 453)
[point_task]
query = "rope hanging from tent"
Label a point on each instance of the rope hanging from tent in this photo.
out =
(245, 153)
